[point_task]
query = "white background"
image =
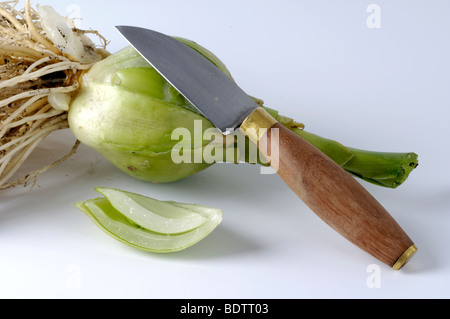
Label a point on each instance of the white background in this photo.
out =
(383, 89)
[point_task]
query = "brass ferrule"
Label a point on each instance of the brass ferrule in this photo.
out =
(407, 255)
(257, 124)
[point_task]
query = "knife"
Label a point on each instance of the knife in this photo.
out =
(325, 187)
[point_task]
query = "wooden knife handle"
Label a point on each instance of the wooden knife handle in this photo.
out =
(332, 193)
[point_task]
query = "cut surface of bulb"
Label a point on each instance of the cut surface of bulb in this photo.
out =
(149, 224)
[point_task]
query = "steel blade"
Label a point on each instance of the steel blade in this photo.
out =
(207, 88)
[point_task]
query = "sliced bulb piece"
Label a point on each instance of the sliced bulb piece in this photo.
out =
(114, 220)
(158, 216)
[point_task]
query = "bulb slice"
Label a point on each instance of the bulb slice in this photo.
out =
(158, 216)
(154, 226)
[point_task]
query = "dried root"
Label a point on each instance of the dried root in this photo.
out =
(34, 67)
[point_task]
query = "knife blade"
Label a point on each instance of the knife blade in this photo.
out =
(328, 190)
(177, 62)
